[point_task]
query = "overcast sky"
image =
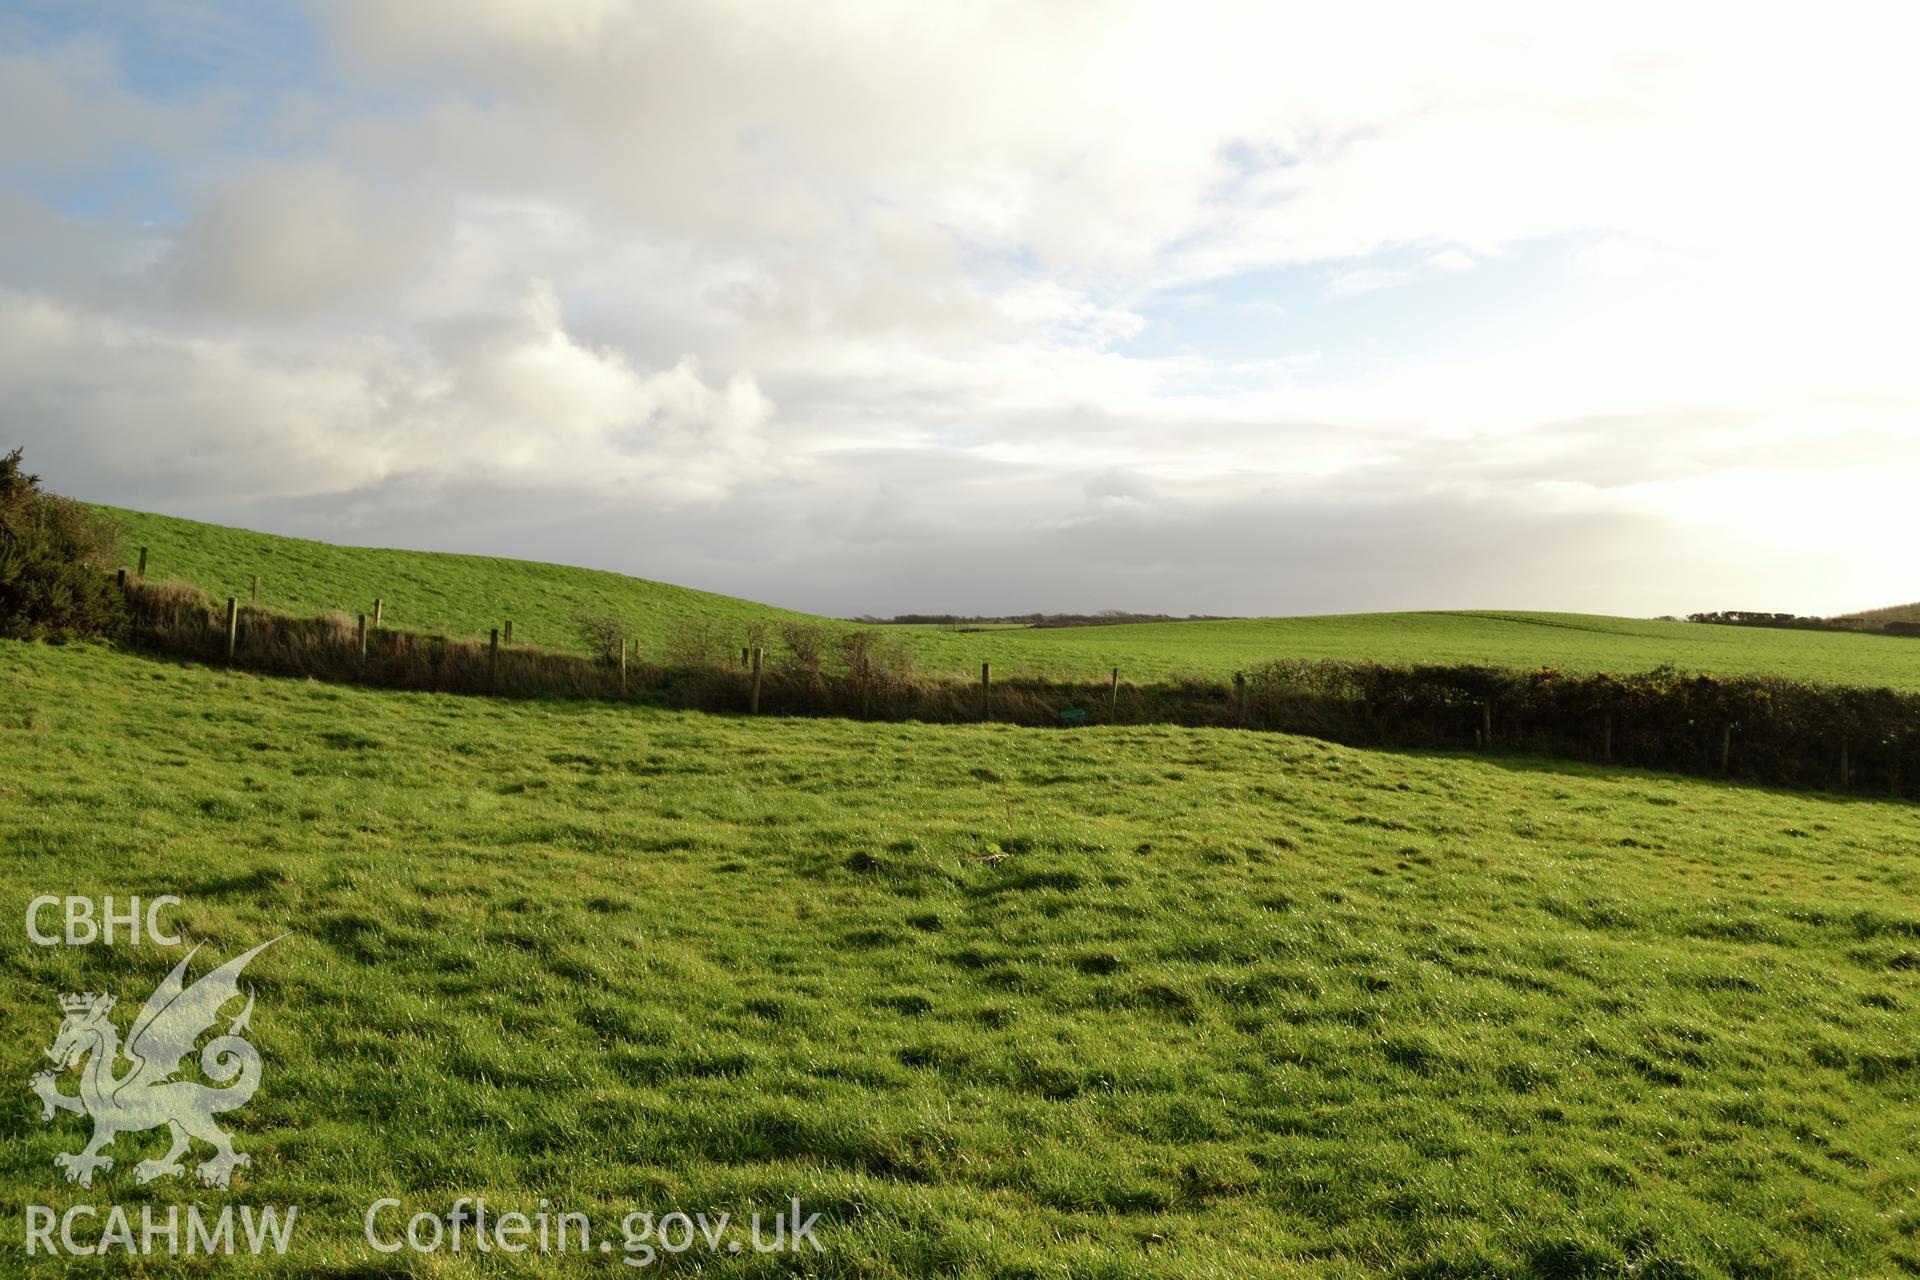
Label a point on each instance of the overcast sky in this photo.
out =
(1184, 307)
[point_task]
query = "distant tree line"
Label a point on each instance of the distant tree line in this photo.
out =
(1797, 622)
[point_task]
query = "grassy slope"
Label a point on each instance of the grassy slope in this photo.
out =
(462, 594)
(1229, 1004)
(1896, 613)
(472, 593)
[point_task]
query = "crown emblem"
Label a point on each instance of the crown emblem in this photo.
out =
(86, 1002)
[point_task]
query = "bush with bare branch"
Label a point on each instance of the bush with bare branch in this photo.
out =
(602, 633)
(699, 642)
(807, 644)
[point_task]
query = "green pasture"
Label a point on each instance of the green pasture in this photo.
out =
(995, 1002)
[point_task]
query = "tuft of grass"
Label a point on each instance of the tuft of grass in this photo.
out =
(1122, 1001)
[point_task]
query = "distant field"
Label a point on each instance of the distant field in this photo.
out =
(997, 1002)
(469, 594)
(1572, 642)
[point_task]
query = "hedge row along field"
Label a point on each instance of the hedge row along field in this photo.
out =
(1762, 729)
(1765, 729)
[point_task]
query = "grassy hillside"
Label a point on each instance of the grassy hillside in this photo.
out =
(1897, 613)
(995, 1002)
(461, 594)
(472, 593)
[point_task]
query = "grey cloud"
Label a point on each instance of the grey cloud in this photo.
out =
(301, 238)
(1264, 555)
(67, 110)
(1116, 484)
(62, 255)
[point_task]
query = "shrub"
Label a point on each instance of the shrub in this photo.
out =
(699, 642)
(603, 633)
(806, 645)
(54, 557)
(860, 649)
(875, 663)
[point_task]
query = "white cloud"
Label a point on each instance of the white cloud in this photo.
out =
(503, 398)
(889, 261)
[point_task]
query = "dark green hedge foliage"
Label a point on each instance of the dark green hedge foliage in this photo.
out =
(54, 554)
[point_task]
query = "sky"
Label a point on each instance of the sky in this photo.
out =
(990, 308)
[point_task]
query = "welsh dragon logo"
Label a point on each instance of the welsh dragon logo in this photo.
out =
(146, 1095)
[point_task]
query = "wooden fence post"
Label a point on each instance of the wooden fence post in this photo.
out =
(1606, 738)
(746, 655)
(376, 613)
(1240, 697)
(1846, 767)
(493, 661)
(361, 638)
(1486, 726)
(233, 627)
(506, 637)
(120, 577)
(986, 688)
(1113, 696)
(256, 591)
(143, 562)
(753, 703)
(623, 667)
(1726, 746)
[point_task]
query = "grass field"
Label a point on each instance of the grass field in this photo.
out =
(996, 1002)
(1894, 613)
(469, 594)
(1572, 642)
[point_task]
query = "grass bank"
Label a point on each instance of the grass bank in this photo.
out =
(426, 590)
